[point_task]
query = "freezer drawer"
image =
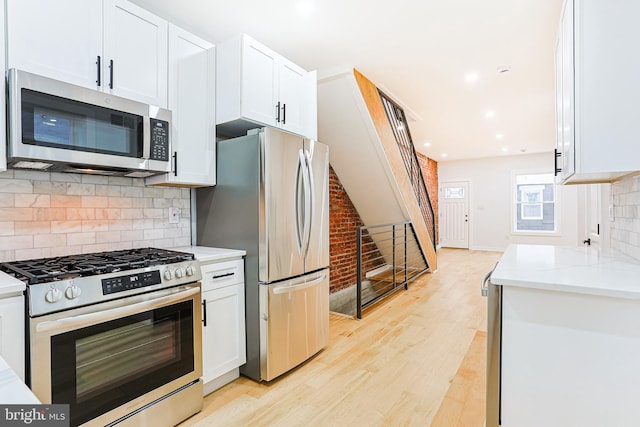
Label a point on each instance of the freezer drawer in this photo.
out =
(294, 322)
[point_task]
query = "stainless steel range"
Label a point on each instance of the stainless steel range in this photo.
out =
(117, 335)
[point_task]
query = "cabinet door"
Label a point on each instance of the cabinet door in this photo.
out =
(259, 73)
(192, 102)
(135, 53)
(57, 39)
(568, 100)
(3, 106)
(558, 109)
(223, 334)
(293, 93)
(12, 333)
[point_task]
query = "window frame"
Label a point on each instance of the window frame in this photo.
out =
(514, 205)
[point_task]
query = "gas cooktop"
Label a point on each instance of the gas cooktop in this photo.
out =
(62, 283)
(69, 267)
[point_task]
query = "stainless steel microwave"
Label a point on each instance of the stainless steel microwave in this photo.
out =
(57, 126)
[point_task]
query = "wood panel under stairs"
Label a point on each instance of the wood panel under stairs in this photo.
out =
(365, 155)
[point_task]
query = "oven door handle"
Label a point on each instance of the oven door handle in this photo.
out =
(70, 323)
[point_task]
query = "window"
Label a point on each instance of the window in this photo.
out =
(454, 193)
(535, 203)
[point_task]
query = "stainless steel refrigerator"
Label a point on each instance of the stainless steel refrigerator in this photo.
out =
(272, 200)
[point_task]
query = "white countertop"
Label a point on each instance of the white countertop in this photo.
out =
(584, 270)
(10, 285)
(12, 389)
(205, 254)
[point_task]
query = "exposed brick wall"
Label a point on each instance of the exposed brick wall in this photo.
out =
(344, 220)
(430, 173)
(343, 223)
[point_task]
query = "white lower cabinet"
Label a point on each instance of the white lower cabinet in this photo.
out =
(12, 344)
(569, 359)
(223, 324)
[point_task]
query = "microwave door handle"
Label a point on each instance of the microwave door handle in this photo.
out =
(146, 132)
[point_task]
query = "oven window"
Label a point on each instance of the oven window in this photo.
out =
(100, 367)
(52, 121)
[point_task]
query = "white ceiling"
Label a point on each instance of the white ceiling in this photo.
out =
(419, 52)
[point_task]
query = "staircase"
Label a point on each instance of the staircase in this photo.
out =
(372, 153)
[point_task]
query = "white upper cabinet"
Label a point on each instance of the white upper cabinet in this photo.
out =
(109, 45)
(257, 87)
(597, 91)
(135, 50)
(3, 134)
(57, 39)
(192, 101)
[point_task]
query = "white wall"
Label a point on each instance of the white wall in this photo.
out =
(490, 200)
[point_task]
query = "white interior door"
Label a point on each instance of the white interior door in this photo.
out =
(454, 214)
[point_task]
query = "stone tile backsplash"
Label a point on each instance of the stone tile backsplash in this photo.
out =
(45, 214)
(625, 227)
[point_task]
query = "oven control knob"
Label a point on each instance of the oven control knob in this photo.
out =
(72, 292)
(190, 270)
(53, 295)
(179, 272)
(168, 275)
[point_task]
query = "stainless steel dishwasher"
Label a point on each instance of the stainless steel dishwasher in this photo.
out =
(494, 349)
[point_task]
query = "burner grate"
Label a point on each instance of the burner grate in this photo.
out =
(62, 268)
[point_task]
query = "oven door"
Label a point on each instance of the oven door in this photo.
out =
(110, 359)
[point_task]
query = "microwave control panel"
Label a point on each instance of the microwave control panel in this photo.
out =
(159, 140)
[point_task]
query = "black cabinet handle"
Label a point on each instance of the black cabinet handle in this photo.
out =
(111, 74)
(587, 242)
(284, 113)
(278, 112)
(557, 155)
(99, 67)
(222, 275)
(175, 163)
(204, 313)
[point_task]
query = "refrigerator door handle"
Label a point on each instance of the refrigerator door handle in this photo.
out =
(306, 195)
(311, 198)
(289, 288)
(297, 201)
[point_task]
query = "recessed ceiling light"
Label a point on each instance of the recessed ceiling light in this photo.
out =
(305, 7)
(499, 136)
(471, 78)
(489, 114)
(505, 149)
(427, 144)
(444, 154)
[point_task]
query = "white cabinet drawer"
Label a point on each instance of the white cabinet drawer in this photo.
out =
(221, 274)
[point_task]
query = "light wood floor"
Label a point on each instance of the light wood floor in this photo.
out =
(416, 359)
